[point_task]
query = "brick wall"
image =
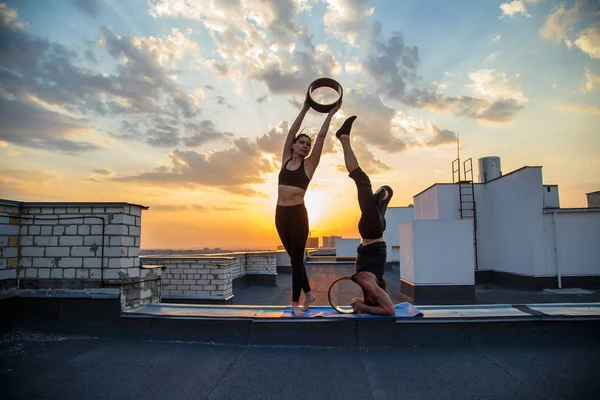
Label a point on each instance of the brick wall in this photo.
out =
(9, 244)
(71, 245)
(143, 289)
(283, 259)
(196, 277)
(593, 200)
(263, 263)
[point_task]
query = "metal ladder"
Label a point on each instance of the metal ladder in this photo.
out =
(466, 194)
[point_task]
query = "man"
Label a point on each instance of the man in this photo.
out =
(372, 252)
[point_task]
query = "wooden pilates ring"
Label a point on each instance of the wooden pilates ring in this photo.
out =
(324, 82)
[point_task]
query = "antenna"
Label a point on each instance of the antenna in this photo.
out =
(458, 153)
(458, 146)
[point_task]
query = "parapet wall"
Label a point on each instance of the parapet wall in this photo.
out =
(75, 246)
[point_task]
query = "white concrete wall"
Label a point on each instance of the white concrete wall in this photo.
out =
(441, 201)
(448, 202)
(407, 256)
(346, 247)
(510, 226)
(395, 216)
(441, 252)
(577, 244)
(551, 196)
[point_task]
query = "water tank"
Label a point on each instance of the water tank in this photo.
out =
(489, 168)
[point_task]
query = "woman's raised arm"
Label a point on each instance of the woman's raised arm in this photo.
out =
(289, 140)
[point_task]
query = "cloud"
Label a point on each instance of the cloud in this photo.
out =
(591, 81)
(296, 103)
(167, 207)
(230, 170)
(346, 19)
(368, 162)
(492, 57)
(392, 64)
(374, 122)
(562, 25)
(440, 137)
(27, 124)
(589, 41)
(418, 133)
(204, 132)
(90, 7)
(515, 7)
(272, 141)
(497, 38)
(353, 67)
(276, 16)
(142, 82)
(495, 84)
(252, 42)
(593, 110)
(163, 135)
(560, 22)
(21, 180)
(263, 98)
(103, 172)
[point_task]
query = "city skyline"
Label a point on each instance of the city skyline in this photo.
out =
(184, 108)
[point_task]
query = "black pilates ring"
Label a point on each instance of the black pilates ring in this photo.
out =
(324, 82)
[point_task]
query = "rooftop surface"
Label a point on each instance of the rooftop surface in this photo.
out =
(322, 274)
(213, 359)
(481, 361)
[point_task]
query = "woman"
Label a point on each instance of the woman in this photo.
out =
(291, 218)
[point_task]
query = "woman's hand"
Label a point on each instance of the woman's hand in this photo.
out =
(306, 106)
(335, 109)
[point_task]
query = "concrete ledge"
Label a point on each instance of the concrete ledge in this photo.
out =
(103, 318)
(535, 282)
(7, 284)
(438, 293)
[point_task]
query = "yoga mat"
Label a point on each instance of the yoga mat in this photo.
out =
(403, 310)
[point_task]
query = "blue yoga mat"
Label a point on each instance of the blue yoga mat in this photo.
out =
(403, 310)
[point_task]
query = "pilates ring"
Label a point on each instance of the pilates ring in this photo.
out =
(324, 82)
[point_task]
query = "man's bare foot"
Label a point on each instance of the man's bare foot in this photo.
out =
(296, 310)
(309, 298)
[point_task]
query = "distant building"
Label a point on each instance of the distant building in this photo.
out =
(312, 243)
(510, 229)
(329, 241)
(593, 199)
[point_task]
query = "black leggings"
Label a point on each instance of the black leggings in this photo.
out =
(292, 227)
(371, 224)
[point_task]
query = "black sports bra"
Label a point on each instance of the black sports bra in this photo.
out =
(296, 178)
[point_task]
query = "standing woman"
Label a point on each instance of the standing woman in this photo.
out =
(291, 218)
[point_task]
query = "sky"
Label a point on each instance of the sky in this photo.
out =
(183, 106)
